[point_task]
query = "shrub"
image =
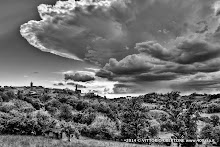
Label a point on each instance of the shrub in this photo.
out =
(84, 118)
(5, 116)
(206, 132)
(213, 108)
(63, 99)
(65, 112)
(103, 128)
(20, 103)
(53, 103)
(35, 102)
(45, 98)
(72, 102)
(216, 135)
(4, 97)
(82, 105)
(153, 131)
(10, 94)
(8, 106)
(52, 110)
(168, 125)
(214, 120)
(158, 114)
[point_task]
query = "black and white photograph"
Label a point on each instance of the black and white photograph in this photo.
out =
(109, 73)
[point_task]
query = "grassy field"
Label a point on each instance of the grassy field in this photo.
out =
(29, 141)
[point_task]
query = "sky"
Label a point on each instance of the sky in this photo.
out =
(112, 47)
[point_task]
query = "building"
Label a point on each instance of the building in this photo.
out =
(31, 85)
(76, 90)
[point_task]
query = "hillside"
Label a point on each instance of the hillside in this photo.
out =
(53, 115)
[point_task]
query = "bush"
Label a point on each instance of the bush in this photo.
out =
(20, 125)
(153, 131)
(45, 98)
(63, 99)
(8, 106)
(167, 125)
(65, 112)
(103, 128)
(10, 94)
(214, 120)
(84, 118)
(206, 132)
(213, 108)
(35, 102)
(216, 135)
(72, 102)
(4, 97)
(53, 103)
(154, 128)
(52, 110)
(20, 103)
(82, 105)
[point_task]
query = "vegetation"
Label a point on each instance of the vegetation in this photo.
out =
(143, 117)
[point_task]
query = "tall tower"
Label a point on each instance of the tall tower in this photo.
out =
(76, 88)
(31, 85)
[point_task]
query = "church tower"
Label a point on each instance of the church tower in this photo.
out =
(76, 88)
(31, 85)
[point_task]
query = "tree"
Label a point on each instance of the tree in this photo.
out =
(214, 120)
(135, 121)
(186, 126)
(65, 112)
(10, 94)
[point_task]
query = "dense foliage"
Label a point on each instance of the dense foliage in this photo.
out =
(138, 118)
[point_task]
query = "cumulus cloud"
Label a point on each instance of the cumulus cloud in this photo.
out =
(154, 49)
(79, 77)
(133, 42)
(104, 74)
(96, 31)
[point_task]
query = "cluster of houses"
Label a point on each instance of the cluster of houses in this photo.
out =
(38, 91)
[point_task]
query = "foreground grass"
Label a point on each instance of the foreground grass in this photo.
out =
(30, 141)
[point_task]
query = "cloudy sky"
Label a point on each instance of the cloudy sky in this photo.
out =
(112, 47)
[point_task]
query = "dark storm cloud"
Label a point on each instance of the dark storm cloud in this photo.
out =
(100, 30)
(104, 74)
(197, 51)
(151, 63)
(186, 52)
(199, 82)
(132, 64)
(133, 41)
(79, 77)
(156, 77)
